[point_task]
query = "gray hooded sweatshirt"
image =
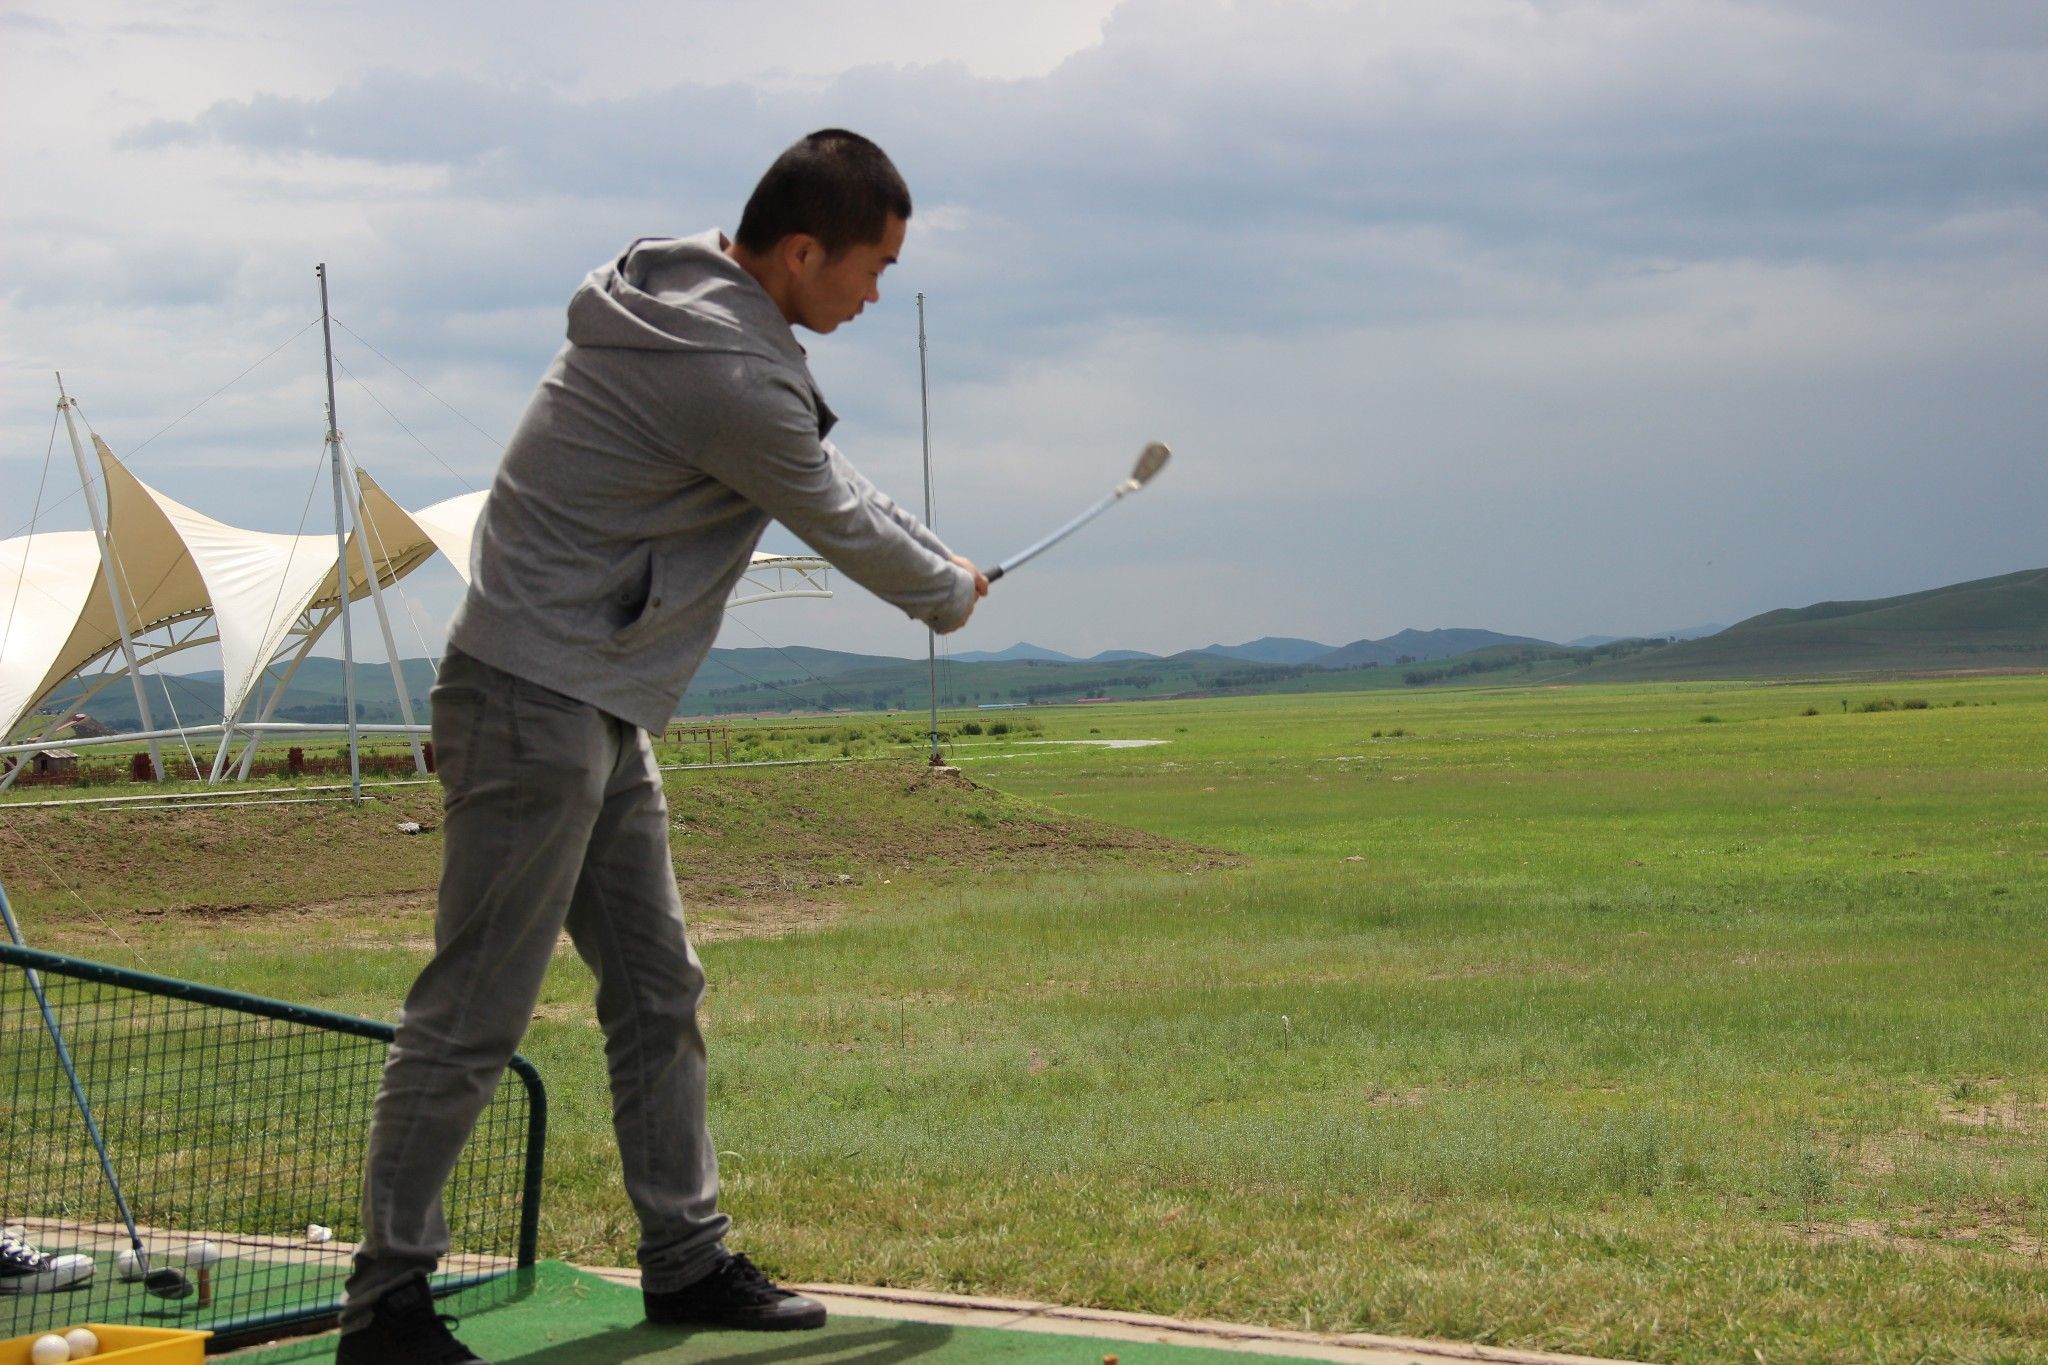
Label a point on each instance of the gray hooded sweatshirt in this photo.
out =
(677, 422)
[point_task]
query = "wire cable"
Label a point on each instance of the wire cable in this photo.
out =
(69, 890)
(401, 423)
(827, 687)
(423, 388)
(264, 665)
(8, 630)
(225, 387)
(202, 403)
(777, 687)
(179, 725)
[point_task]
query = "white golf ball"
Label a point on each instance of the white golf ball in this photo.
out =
(202, 1254)
(82, 1342)
(316, 1232)
(50, 1349)
(128, 1265)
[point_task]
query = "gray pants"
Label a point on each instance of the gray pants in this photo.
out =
(554, 817)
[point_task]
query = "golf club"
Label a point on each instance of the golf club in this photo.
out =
(1151, 460)
(165, 1283)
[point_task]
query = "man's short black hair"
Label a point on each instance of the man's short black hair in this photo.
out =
(834, 185)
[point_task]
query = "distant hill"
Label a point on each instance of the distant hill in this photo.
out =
(1419, 646)
(1987, 623)
(316, 695)
(1358, 654)
(778, 664)
(1689, 633)
(1272, 649)
(1020, 650)
(1448, 644)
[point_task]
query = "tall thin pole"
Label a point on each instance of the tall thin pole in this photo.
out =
(66, 404)
(931, 637)
(348, 643)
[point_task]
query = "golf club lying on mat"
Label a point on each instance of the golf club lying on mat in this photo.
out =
(1151, 460)
(164, 1282)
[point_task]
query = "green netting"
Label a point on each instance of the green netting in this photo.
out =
(227, 1119)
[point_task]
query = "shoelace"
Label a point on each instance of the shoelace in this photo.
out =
(425, 1314)
(16, 1253)
(745, 1279)
(448, 1346)
(449, 1322)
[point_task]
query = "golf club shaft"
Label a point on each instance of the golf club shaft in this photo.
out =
(1033, 550)
(92, 1129)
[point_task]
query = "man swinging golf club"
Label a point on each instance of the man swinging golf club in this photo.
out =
(679, 420)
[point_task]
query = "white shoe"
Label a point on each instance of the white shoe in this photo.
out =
(24, 1270)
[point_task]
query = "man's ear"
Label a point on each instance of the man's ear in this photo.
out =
(798, 249)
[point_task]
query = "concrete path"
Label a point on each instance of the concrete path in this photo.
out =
(1357, 1348)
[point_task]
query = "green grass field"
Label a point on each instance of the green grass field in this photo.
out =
(1667, 1022)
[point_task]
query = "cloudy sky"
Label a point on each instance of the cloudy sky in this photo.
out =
(1548, 317)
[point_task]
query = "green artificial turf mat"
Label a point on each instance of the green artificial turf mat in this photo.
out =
(568, 1317)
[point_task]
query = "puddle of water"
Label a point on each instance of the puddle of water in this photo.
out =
(1100, 743)
(1094, 743)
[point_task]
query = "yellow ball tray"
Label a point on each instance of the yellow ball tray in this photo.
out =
(128, 1345)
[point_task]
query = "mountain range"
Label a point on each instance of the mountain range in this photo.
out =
(1987, 623)
(1409, 646)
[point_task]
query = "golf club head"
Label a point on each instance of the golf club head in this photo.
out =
(1151, 460)
(167, 1283)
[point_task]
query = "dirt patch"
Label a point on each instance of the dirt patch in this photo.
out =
(1990, 1237)
(762, 920)
(1474, 970)
(758, 853)
(346, 907)
(1990, 1104)
(1403, 1099)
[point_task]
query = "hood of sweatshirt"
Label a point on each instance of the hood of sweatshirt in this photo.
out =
(680, 294)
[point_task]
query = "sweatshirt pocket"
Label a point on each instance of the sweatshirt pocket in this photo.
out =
(650, 610)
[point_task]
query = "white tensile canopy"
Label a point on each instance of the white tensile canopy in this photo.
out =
(176, 564)
(267, 595)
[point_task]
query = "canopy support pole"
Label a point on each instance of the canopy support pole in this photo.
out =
(348, 643)
(313, 633)
(931, 637)
(67, 405)
(419, 759)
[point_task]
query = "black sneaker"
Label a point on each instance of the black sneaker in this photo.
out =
(404, 1329)
(24, 1270)
(735, 1295)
